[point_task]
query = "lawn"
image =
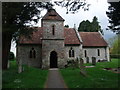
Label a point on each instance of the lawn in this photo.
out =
(30, 78)
(96, 76)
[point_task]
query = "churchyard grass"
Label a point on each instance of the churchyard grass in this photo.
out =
(30, 78)
(96, 76)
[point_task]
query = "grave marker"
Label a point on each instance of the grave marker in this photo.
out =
(82, 70)
(87, 59)
(93, 60)
(20, 68)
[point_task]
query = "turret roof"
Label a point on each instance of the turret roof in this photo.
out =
(52, 15)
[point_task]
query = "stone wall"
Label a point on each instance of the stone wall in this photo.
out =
(53, 45)
(23, 52)
(59, 29)
(52, 42)
(77, 52)
(93, 52)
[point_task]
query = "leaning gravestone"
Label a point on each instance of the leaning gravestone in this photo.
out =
(87, 59)
(82, 70)
(93, 61)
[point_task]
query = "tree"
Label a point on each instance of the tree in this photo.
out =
(73, 5)
(115, 48)
(11, 56)
(114, 16)
(111, 41)
(87, 26)
(16, 18)
(67, 26)
(95, 27)
(84, 26)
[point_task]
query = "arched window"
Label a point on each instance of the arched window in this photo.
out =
(32, 53)
(53, 29)
(98, 52)
(71, 52)
(85, 53)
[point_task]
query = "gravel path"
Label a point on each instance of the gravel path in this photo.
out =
(55, 79)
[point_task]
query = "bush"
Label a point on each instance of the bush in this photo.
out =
(11, 56)
(72, 63)
(114, 55)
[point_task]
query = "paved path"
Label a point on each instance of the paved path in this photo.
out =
(54, 79)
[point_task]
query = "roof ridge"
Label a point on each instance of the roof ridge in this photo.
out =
(52, 15)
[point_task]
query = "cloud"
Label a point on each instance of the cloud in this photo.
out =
(98, 8)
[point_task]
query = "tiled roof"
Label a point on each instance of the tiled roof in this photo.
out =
(88, 38)
(71, 36)
(36, 38)
(92, 39)
(52, 15)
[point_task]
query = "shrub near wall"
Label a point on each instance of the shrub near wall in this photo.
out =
(114, 55)
(11, 56)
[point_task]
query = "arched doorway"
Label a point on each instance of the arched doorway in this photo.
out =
(53, 59)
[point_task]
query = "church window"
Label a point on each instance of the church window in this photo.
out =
(85, 53)
(53, 30)
(32, 53)
(71, 52)
(98, 52)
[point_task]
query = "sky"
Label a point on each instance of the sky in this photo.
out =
(97, 8)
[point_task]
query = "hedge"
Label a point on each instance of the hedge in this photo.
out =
(114, 55)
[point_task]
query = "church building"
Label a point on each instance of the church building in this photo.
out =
(53, 45)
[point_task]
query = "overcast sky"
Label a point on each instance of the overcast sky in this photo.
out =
(97, 8)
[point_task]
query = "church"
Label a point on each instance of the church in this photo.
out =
(52, 45)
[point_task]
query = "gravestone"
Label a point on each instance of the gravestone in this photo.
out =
(93, 60)
(87, 59)
(77, 63)
(8, 65)
(81, 64)
(20, 68)
(82, 68)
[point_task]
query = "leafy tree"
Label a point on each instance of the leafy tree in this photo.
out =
(11, 56)
(87, 26)
(110, 41)
(84, 26)
(114, 16)
(67, 26)
(73, 5)
(16, 18)
(115, 47)
(95, 27)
